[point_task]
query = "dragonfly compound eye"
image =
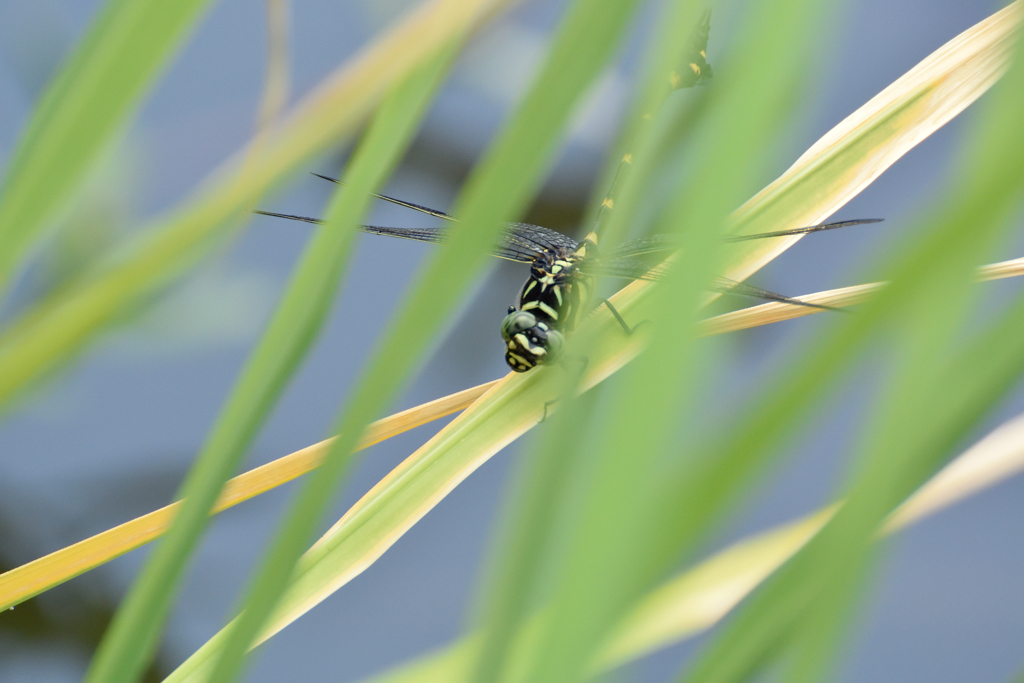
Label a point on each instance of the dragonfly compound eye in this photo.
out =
(555, 344)
(516, 322)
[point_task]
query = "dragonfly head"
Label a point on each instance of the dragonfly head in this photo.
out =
(529, 342)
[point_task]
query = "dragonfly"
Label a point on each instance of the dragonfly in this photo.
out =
(558, 293)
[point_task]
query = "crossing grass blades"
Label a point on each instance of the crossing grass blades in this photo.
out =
(559, 290)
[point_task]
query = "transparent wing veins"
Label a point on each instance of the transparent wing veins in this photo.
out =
(520, 241)
(653, 244)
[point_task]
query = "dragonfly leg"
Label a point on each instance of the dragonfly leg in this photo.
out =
(547, 404)
(618, 316)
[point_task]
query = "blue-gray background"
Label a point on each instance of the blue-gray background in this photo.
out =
(110, 437)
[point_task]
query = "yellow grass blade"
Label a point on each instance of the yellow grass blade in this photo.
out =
(774, 312)
(21, 583)
(999, 456)
(698, 598)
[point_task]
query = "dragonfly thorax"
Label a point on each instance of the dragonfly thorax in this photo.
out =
(554, 290)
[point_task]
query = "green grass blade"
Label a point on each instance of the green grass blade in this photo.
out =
(297, 322)
(50, 334)
(913, 431)
(600, 575)
(531, 533)
(496, 193)
(547, 470)
(81, 112)
(38, 576)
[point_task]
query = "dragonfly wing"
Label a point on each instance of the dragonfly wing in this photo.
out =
(625, 268)
(650, 244)
(636, 269)
(518, 244)
(727, 286)
(538, 238)
(653, 244)
(803, 231)
(400, 202)
(433, 235)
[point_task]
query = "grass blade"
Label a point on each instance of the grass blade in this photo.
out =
(553, 462)
(82, 111)
(918, 103)
(22, 583)
(598, 575)
(33, 578)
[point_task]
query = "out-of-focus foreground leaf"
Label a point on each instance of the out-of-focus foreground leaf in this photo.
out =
(81, 112)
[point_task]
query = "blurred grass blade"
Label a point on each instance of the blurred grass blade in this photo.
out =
(918, 421)
(33, 578)
(696, 494)
(275, 85)
(997, 363)
(514, 405)
(860, 148)
(596, 577)
(998, 456)
(499, 190)
(547, 470)
(98, 88)
(296, 324)
(700, 597)
(63, 325)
